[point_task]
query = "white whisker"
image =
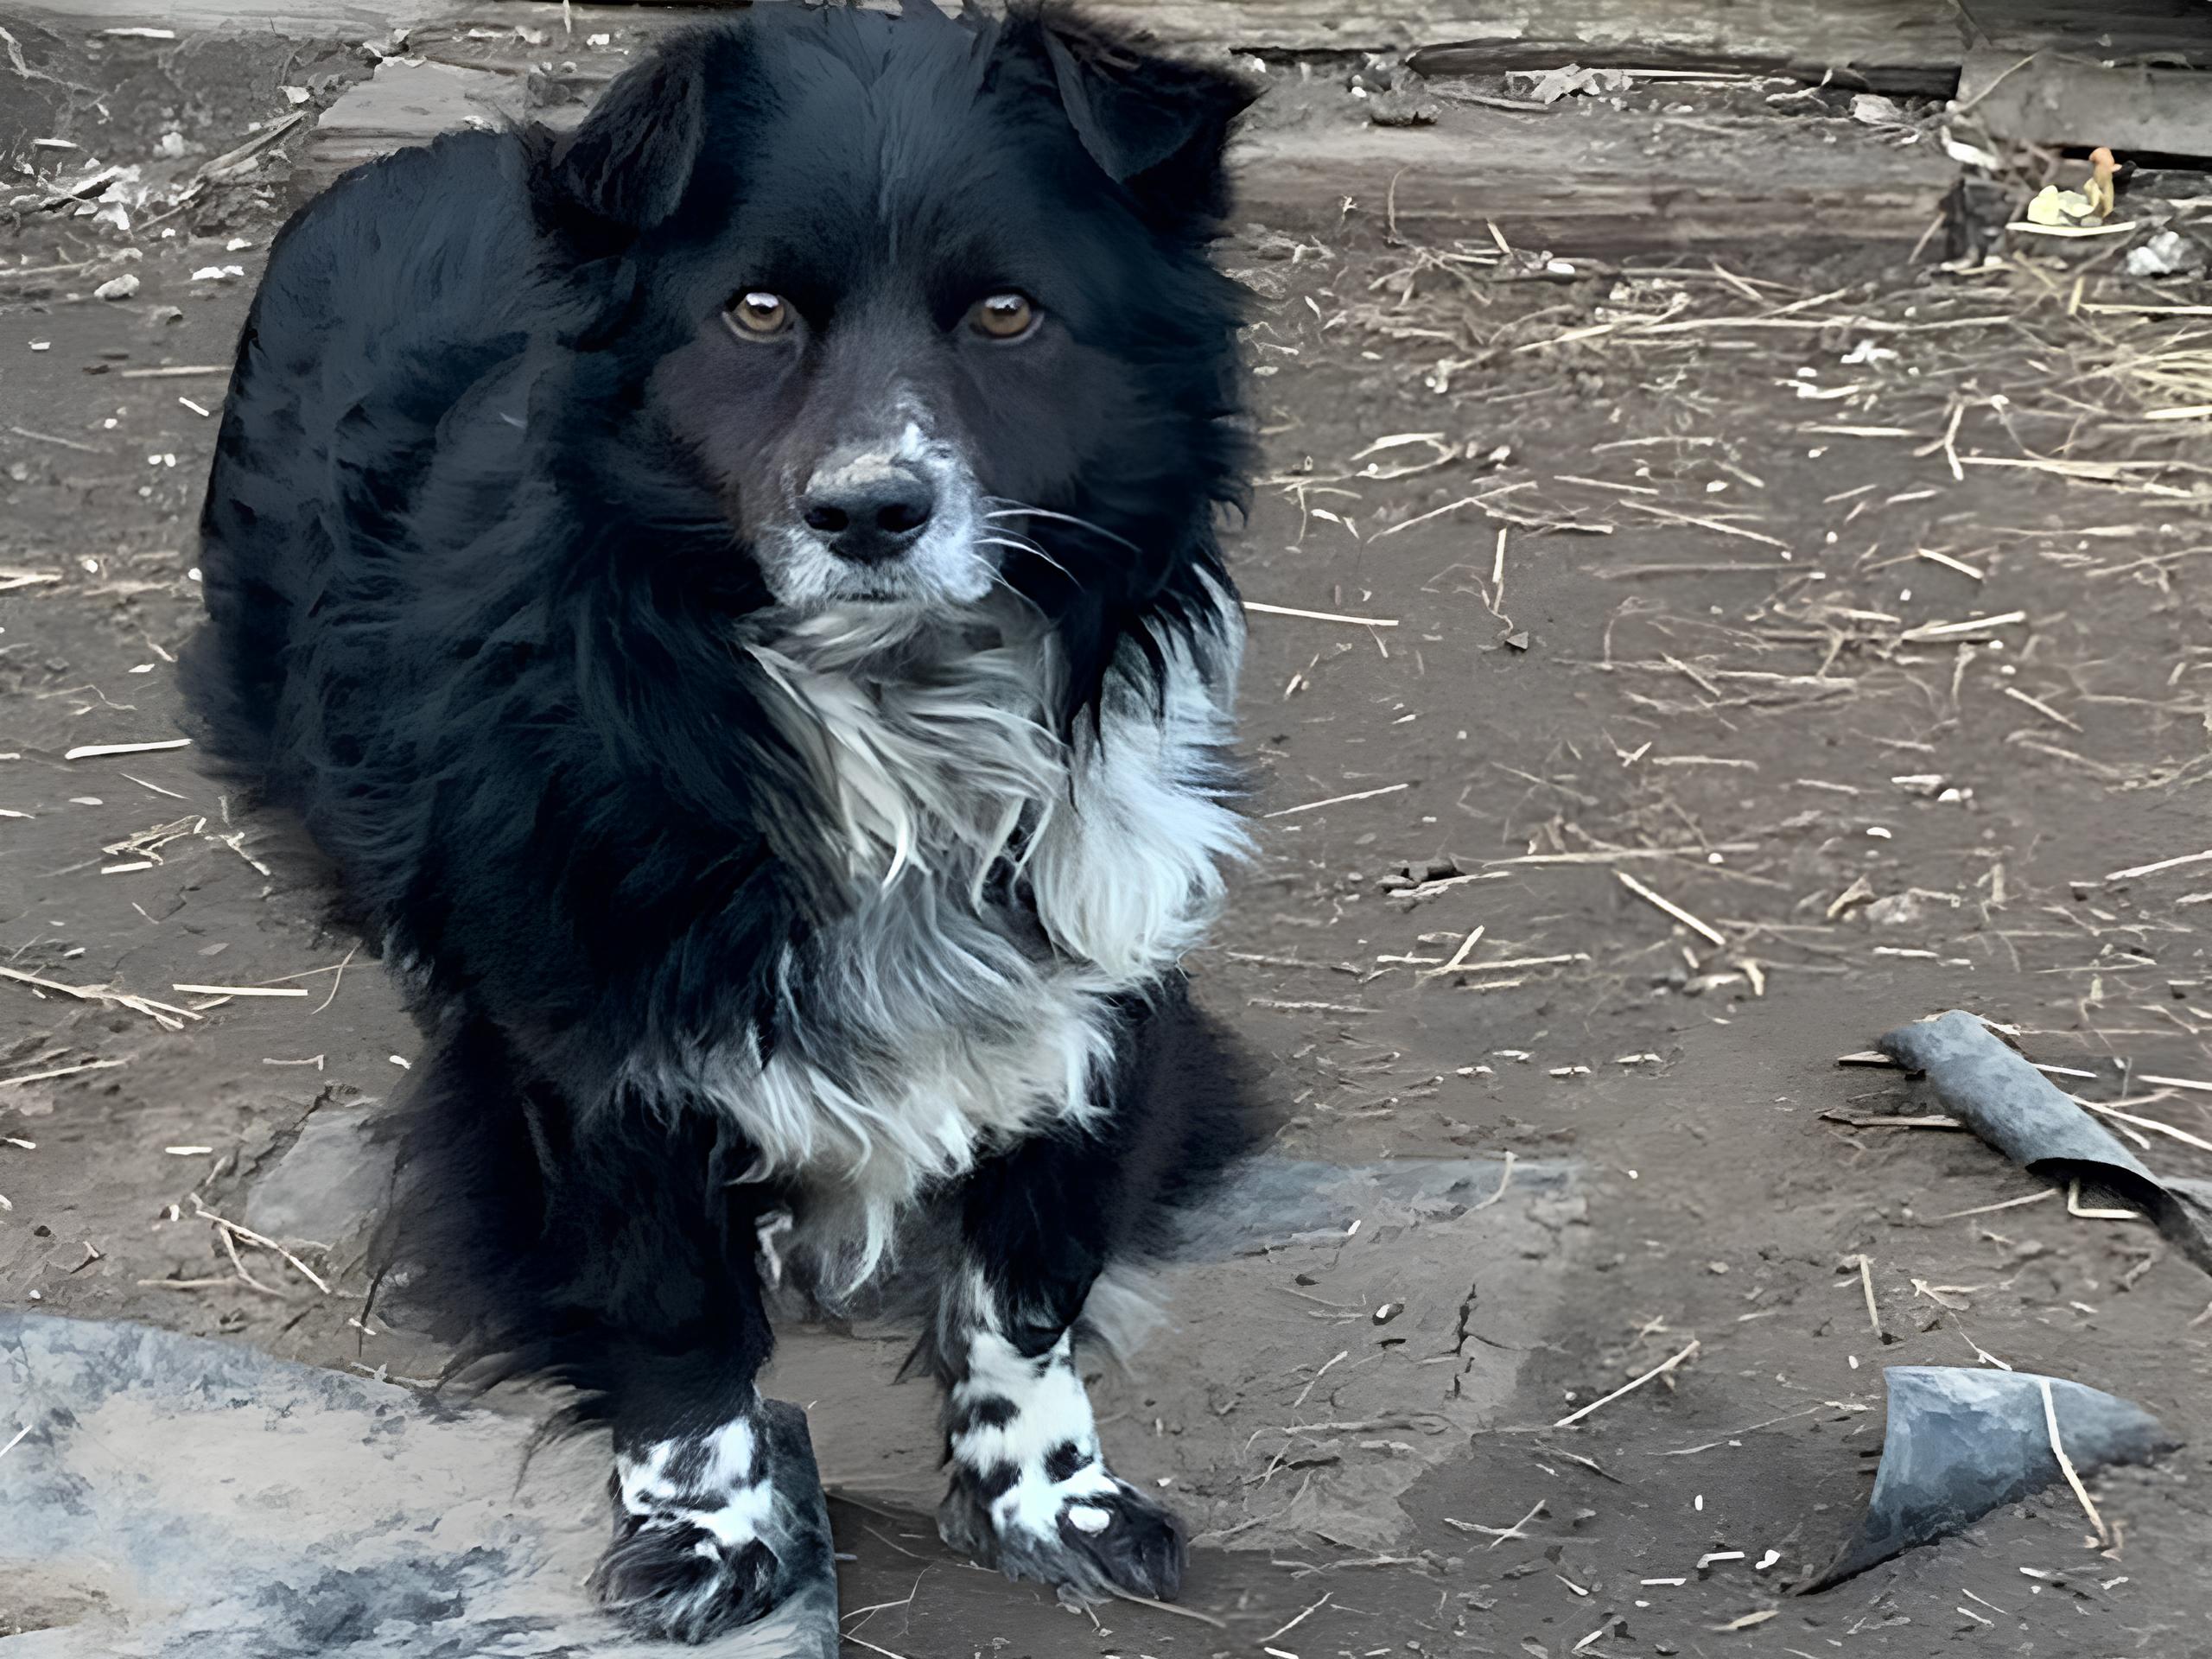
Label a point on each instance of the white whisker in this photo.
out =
(1019, 511)
(1026, 547)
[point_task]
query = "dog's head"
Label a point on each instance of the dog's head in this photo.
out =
(923, 304)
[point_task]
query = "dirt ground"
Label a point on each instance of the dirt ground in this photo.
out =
(1716, 669)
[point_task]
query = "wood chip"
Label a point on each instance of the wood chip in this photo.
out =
(1335, 800)
(1867, 1284)
(60, 1072)
(1670, 907)
(1750, 1619)
(1928, 631)
(93, 751)
(1321, 616)
(239, 990)
(2134, 870)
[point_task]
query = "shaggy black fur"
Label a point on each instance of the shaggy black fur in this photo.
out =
(485, 523)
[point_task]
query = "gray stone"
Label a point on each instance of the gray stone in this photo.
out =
(325, 1187)
(177, 1498)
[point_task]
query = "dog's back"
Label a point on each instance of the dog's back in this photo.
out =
(385, 299)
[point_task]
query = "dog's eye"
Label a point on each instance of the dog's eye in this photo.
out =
(759, 314)
(1003, 317)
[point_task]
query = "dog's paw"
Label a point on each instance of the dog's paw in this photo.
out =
(677, 1581)
(696, 1549)
(1091, 1531)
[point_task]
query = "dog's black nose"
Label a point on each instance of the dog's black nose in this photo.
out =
(869, 517)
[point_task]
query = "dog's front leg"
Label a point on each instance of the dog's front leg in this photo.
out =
(1030, 1489)
(717, 1505)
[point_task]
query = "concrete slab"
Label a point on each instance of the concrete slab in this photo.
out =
(177, 1498)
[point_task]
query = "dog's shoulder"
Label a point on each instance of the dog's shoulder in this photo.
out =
(399, 262)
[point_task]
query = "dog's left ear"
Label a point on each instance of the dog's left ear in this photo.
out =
(626, 168)
(1155, 126)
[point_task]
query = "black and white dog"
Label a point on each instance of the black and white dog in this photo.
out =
(734, 593)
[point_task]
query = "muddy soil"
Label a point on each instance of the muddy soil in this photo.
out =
(1866, 629)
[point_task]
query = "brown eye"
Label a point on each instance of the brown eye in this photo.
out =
(1003, 317)
(759, 314)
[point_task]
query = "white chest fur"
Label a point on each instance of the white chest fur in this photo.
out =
(935, 1015)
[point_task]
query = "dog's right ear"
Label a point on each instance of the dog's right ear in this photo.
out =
(626, 168)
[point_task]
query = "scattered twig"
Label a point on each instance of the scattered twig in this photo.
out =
(1335, 800)
(60, 1072)
(1866, 1284)
(1504, 1180)
(1498, 1535)
(2130, 873)
(1749, 1619)
(61, 443)
(1660, 1369)
(237, 1264)
(1322, 616)
(1459, 957)
(238, 990)
(2149, 1123)
(2066, 1464)
(161, 1013)
(2093, 1212)
(1299, 1620)
(227, 1227)
(1670, 907)
(1859, 1120)
(93, 751)
(1972, 626)
(1168, 1607)
(2007, 1203)
(226, 166)
(2043, 708)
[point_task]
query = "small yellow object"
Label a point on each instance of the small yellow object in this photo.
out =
(2097, 190)
(2053, 205)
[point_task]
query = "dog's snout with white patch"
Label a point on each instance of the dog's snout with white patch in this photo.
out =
(869, 509)
(892, 520)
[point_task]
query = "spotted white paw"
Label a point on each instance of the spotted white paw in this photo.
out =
(695, 1551)
(1031, 1491)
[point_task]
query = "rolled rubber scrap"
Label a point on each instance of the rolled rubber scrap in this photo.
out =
(2025, 1116)
(1960, 1441)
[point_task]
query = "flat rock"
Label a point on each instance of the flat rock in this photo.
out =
(177, 1498)
(325, 1187)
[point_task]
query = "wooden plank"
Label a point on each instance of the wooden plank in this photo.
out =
(1914, 44)
(328, 20)
(2061, 101)
(1520, 34)
(1898, 45)
(1623, 182)
(1574, 180)
(403, 103)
